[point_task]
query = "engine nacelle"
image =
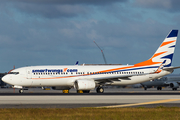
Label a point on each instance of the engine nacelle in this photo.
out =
(174, 85)
(84, 84)
(61, 88)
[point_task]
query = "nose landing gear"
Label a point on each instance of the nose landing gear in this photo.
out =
(21, 90)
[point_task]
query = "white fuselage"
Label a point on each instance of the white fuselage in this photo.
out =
(67, 75)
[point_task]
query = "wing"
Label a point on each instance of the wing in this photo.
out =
(108, 80)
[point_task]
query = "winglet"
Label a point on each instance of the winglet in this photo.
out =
(77, 63)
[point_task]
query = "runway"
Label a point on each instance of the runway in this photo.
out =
(112, 98)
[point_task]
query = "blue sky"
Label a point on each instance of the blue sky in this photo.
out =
(60, 32)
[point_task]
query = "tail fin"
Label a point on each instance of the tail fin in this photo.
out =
(164, 52)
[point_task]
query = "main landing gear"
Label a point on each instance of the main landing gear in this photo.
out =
(145, 88)
(100, 90)
(21, 90)
(159, 88)
(174, 88)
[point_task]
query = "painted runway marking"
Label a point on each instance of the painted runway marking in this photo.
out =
(136, 104)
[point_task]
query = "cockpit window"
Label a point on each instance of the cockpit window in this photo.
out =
(15, 73)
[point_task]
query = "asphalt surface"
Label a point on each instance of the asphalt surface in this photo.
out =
(111, 98)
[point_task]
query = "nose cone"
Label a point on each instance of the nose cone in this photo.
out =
(6, 78)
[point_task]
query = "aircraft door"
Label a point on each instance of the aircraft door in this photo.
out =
(28, 74)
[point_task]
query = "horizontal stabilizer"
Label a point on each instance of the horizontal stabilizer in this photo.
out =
(171, 68)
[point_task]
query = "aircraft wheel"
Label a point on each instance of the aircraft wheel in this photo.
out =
(145, 88)
(159, 88)
(100, 90)
(174, 88)
(21, 90)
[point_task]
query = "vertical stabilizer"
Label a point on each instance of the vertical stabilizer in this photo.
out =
(164, 52)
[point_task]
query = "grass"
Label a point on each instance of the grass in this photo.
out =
(158, 113)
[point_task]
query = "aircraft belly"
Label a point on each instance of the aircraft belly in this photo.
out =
(51, 82)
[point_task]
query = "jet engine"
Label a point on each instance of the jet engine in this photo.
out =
(174, 85)
(84, 84)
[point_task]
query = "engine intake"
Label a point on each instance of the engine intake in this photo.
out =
(174, 85)
(84, 84)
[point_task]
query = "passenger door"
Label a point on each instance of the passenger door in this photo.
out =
(28, 74)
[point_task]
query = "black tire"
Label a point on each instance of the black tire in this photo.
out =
(21, 90)
(100, 90)
(175, 88)
(145, 88)
(157, 88)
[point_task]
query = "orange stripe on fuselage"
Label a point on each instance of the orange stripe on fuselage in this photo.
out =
(150, 62)
(141, 64)
(110, 70)
(146, 63)
(165, 43)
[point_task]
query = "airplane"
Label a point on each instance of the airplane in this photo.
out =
(172, 81)
(88, 77)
